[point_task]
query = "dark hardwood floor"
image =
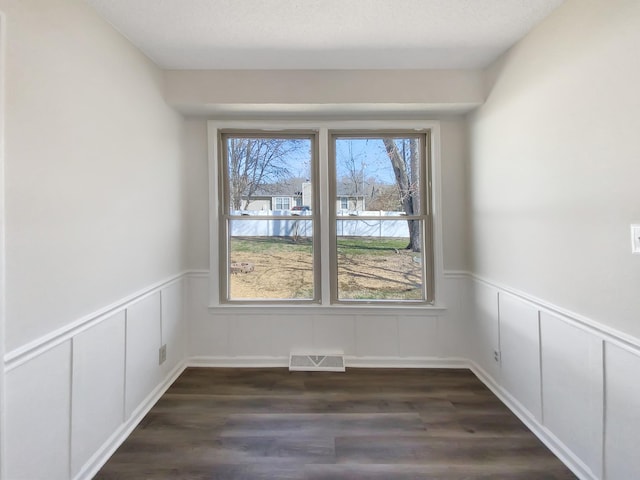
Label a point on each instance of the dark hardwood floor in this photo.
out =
(362, 424)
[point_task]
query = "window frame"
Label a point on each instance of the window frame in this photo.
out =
(323, 204)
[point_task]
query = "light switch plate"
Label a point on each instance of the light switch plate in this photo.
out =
(635, 239)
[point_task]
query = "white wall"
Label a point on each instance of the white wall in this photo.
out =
(552, 169)
(94, 173)
(198, 198)
(2, 248)
(328, 92)
(95, 230)
(554, 164)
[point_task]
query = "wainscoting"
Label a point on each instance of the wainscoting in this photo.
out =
(367, 336)
(74, 396)
(573, 382)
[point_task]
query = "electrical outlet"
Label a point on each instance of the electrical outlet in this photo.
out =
(162, 354)
(635, 239)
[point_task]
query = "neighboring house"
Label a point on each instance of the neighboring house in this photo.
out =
(347, 199)
(270, 202)
(286, 200)
(350, 202)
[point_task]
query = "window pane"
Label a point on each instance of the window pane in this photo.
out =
(271, 259)
(379, 173)
(379, 177)
(374, 262)
(268, 177)
(267, 174)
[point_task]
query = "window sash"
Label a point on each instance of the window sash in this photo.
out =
(226, 215)
(424, 216)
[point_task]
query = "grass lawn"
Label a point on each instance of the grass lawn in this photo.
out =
(368, 269)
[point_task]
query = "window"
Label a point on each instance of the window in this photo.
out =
(380, 254)
(268, 257)
(282, 203)
(364, 235)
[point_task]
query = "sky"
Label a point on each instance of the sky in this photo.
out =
(366, 155)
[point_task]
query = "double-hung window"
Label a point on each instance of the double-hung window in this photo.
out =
(364, 235)
(270, 257)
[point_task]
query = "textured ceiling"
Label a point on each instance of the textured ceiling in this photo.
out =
(323, 34)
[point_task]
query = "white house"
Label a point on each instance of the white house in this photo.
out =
(107, 214)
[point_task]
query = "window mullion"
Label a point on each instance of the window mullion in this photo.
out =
(324, 181)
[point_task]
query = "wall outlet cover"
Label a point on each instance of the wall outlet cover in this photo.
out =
(162, 354)
(635, 238)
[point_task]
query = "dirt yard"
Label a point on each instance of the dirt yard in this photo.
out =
(285, 274)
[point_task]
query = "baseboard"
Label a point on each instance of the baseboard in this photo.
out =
(405, 362)
(544, 434)
(238, 362)
(350, 361)
(97, 461)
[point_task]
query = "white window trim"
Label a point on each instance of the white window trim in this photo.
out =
(323, 128)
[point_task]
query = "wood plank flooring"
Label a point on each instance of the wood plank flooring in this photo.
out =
(229, 424)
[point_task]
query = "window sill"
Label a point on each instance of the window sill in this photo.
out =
(315, 309)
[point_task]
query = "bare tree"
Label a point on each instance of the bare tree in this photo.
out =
(405, 163)
(354, 171)
(383, 197)
(254, 163)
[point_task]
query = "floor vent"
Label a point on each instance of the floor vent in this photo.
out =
(316, 363)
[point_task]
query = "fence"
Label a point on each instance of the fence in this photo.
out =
(301, 227)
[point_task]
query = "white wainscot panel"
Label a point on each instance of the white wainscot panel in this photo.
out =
(334, 334)
(454, 327)
(37, 417)
(143, 373)
(208, 333)
(98, 387)
(418, 337)
(376, 336)
(572, 388)
(173, 325)
(622, 447)
(485, 337)
(250, 336)
(520, 352)
(291, 333)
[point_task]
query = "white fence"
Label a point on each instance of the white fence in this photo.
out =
(302, 227)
